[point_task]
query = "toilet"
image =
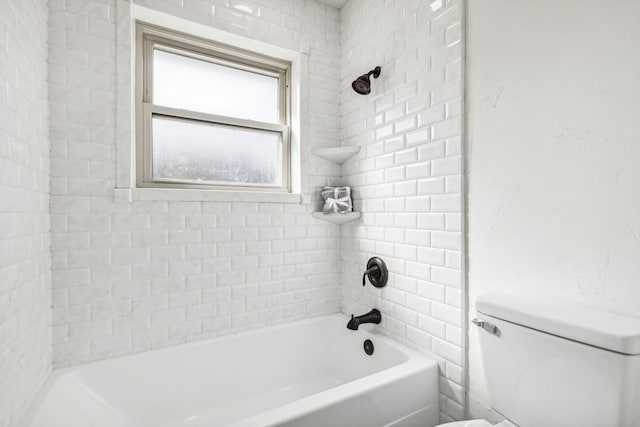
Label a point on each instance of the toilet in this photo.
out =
(553, 363)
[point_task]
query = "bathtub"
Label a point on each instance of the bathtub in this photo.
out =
(311, 373)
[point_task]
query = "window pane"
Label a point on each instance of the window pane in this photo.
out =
(205, 153)
(192, 84)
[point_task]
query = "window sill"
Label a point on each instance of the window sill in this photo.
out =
(128, 195)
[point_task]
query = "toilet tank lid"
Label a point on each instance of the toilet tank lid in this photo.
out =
(598, 327)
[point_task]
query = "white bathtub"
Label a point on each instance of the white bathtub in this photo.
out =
(309, 373)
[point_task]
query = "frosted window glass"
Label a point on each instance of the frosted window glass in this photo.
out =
(208, 153)
(192, 84)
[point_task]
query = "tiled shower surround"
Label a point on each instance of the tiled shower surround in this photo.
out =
(129, 277)
(407, 178)
(25, 271)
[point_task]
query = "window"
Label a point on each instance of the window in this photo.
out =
(210, 115)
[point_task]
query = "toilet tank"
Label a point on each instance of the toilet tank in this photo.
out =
(552, 363)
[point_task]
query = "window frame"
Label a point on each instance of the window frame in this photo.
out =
(150, 37)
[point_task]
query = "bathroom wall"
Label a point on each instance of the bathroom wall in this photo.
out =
(25, 263)
(407, 177)
(129, 277)
(552, 151)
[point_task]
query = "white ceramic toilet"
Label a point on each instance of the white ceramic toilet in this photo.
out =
(552, 363)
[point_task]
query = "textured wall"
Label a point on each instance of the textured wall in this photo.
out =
(553, 146)
(407, 177)
(25, 263)
(130, 277)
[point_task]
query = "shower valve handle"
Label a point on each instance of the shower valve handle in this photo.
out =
(368, 272)
(376, 272)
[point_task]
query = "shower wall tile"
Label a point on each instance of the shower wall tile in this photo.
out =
(407, 177)
(25, 263)
(130, 277)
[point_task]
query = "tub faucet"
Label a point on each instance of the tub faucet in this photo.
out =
(373, 316)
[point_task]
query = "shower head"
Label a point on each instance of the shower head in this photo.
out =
(362, 84)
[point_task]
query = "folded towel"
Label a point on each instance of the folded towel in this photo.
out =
(337, 200)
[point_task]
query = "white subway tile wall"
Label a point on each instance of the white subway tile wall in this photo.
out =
(130, 277)
(407, 177)
(25, 263)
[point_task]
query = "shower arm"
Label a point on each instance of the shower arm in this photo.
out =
(375, 72)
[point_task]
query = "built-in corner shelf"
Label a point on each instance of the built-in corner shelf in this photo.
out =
(337, 218)
(337, 155)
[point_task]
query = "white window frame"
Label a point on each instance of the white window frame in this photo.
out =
(127, 15)
(150, 38)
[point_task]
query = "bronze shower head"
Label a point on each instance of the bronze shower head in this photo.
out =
(362, 84)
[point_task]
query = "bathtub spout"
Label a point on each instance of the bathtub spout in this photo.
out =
(373, 316)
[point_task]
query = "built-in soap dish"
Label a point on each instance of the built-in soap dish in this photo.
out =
(337, 218)
(337, 155)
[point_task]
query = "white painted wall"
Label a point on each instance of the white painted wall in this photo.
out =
(25, 263)
(407, 177)
(553, 146)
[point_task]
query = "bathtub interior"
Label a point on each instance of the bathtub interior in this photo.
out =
(225, 379)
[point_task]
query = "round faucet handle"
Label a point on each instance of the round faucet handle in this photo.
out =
(377, 272)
